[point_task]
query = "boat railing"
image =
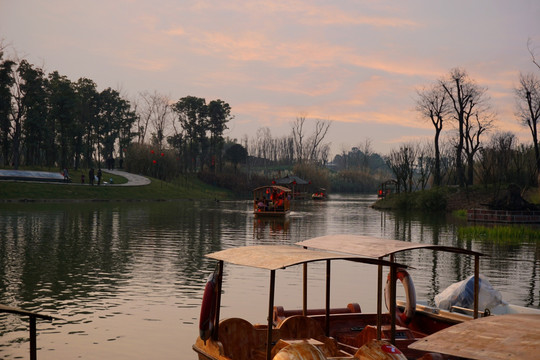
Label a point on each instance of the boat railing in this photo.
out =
(33, 329)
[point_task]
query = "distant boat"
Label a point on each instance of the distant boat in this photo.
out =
(320, 194)
(271, 200)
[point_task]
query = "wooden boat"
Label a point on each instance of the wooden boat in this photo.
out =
(298, 336)
(505, 337)
(320, 194)
(272, 200)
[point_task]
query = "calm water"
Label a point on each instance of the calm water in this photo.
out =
(125, 280)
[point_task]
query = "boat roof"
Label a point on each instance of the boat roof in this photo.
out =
(277, 187)
(273, 257)
(511, 336)
(372, 246)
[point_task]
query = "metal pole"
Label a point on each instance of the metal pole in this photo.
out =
(476, 283)
(379, 300)
(33, 335)
(327, 316)
(219, 279)
(392, 305)
(270, 311)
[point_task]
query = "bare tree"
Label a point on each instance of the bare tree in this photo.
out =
(433, 103)
(367, 151)
(402, 163)
(160, 119)
(528, 108)
(424, 164)
(531, 52)
(321, 128)
(298, 137)
(469, 103)
(309, 149)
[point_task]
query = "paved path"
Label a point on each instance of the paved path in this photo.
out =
(133, 180)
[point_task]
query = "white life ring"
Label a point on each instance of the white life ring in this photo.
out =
(410, 307)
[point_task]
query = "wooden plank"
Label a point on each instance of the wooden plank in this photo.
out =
(274, 257)
(512, 336)
(372, 246)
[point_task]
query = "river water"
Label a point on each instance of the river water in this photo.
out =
(125, 280)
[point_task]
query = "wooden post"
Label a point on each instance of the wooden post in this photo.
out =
(304, 291)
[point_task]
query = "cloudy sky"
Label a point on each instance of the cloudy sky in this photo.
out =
(357, 63)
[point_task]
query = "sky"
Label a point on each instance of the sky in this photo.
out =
(358, 64)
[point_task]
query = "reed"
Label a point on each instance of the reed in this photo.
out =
(498, 233)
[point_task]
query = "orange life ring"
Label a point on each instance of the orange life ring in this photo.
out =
(208, 309)
(410, 307)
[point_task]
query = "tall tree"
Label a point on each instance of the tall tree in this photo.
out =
(432, 103)
(469, 103)
(192, 114)
(528, 108)
(6, 82)
(62, 112)
(219, 114)
(33, 89)
(114, 116)
(87, 120)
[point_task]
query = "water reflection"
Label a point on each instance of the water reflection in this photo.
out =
(126, 279)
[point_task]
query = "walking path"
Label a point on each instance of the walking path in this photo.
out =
(133, 180)
(47, 176)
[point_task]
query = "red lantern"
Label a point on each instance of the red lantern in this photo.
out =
(273, 182)
(162, 154)
(151, 151)
(154, 161)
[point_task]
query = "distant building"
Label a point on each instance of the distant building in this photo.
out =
(299, 186)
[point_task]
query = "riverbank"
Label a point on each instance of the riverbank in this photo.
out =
(448, 199)
(185, 187)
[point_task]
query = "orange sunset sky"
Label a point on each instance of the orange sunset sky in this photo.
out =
(357, 63)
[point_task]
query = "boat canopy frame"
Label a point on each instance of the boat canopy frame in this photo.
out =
(275, 257)
(380, 248)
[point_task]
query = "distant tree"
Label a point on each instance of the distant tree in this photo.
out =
(236, 154)
(309, 148)
(402, 162)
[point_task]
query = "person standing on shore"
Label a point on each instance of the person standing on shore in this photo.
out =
(99, 176)
(91, 176)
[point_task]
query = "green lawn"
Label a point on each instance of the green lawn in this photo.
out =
(183, 188)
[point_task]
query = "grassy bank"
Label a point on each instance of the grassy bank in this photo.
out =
(182, 188)
(447, 199)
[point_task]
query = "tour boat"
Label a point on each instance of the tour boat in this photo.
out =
(334, 333)
(304, 336)
(320, 194)
(272, 200)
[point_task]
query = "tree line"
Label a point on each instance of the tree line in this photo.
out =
(456, 103)
(47, 120)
